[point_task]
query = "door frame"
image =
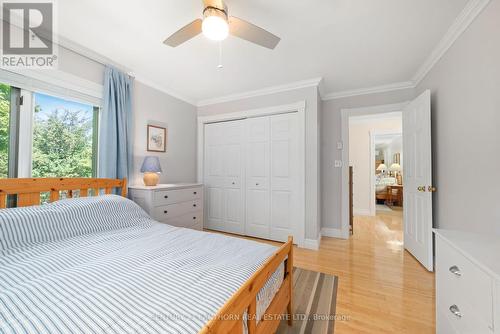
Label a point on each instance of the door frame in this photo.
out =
(299, 108)
(345, 114)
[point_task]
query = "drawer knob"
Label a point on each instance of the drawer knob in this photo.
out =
(456, 311)
(194, 217)
(165, 211)
(195, 192)
(194, 205)
(256, 184)
(166, 196)
(232, 183)
(455, 271)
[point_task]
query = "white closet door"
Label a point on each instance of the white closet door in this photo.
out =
(284, 201)
(224, 170)
(257, 177)
(234, 200)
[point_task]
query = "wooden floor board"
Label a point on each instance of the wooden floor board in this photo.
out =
(381, 288)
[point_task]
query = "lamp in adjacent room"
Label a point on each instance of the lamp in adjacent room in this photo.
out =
(395, 168)
(151, 167)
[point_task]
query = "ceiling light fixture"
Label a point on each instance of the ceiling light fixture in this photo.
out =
(215, 25)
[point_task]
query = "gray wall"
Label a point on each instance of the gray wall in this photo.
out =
(465, 87)
(80, 66)
(153, 106)
(157, 108)
(331, 134)
(310, 95)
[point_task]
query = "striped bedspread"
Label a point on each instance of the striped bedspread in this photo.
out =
(102, 265)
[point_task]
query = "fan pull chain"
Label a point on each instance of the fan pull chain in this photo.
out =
(220, 66)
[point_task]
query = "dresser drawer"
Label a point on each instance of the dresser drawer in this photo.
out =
(162, 213)
(468, 322)
(460, 282)
(175, 196)
(191, 220)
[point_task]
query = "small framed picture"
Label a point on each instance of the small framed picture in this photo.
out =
(157, 139)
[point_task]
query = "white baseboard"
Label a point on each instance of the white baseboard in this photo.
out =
(312, 243)
(332, 232)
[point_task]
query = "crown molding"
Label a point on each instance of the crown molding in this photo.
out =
(369, 90)
(264, 91)
(472, 9)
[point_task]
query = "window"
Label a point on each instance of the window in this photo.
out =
(4, 129)
(64, 138)
(46, 136)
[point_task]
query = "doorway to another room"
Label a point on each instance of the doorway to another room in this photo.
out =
(375, 156)
(397, 183)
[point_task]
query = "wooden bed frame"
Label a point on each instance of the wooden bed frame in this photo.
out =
(230, 317)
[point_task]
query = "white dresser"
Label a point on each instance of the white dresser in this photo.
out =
(467, 283)
(174, 204)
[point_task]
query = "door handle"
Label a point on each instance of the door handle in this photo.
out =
(432, 189)
(421, 189)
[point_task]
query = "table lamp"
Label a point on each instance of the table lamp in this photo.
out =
(151, 167)
(395, 168)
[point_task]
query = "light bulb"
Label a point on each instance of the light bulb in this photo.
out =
(215, 28)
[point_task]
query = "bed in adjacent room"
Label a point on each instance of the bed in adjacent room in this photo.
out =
(101, 264)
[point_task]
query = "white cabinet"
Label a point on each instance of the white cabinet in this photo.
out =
(251, 174)
(467, 282)
(174, 204)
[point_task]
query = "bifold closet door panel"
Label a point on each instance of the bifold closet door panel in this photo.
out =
(234, 171)
(257, 176)
(284, 161)
(223, 176)
(214, 176)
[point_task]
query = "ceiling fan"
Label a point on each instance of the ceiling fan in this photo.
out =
(217, 25)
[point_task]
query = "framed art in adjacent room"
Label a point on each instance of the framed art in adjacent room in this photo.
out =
(157, 139)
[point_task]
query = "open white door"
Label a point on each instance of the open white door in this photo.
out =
(417, 176)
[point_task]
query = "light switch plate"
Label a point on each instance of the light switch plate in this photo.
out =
(340, 145)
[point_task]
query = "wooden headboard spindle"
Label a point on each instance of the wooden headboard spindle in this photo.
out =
(28, 190)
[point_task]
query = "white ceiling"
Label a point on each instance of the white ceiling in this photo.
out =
(351, 44)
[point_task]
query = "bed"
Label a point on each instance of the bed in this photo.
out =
(101, 264)
(389, 191)
(381, 184)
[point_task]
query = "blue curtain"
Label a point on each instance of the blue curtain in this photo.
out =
(115, 137)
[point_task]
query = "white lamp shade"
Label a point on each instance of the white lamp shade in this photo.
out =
(381, 167)
(395, 168)
(215, 28)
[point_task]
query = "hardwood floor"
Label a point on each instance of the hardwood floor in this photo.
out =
(382, 288)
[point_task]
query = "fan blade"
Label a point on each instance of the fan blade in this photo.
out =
(250, 32)
(184, 34)
(214, 3)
